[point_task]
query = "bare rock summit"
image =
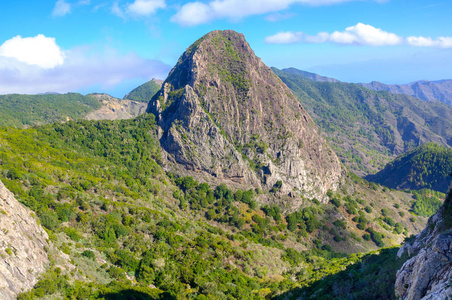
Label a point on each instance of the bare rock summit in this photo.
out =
(225, 115)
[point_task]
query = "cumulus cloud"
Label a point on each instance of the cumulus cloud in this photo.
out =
(420, 41)
(145, 7)
(82, 67)
(61, 8)
(237, 9)
(138, 8)
(359, 35)
(284, 38)
(362, 34)
(39, 50)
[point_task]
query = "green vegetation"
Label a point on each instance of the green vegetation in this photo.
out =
(427, 166)
(99, 190)
(29, 110)
(427, 202)
(370, 277)
(357, 121)
(144, 92)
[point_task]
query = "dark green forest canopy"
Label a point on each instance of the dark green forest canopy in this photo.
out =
(428, 166)
(29, 110)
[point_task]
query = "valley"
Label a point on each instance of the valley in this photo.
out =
(238, 182)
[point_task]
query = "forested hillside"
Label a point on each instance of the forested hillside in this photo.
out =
(29, 110)
(145, 92)
(98, 188)
(428, 166)
(366, 128)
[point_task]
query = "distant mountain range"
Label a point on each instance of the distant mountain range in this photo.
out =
(368, 128)
(440, 90)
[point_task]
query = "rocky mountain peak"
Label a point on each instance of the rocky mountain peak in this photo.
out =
(224, 113)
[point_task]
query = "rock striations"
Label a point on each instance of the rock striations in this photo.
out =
(223, 113)
(22, 247)
(428, 274)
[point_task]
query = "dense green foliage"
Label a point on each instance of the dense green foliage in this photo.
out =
(427, 166)
(100, 191)
(372, 277)
(144, 92)
(99, 184)
(368, 128)
(427, 202)
(29, 110)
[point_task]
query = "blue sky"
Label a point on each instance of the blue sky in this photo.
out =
(113, 46)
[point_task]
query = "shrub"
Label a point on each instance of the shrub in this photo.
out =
(89, 254)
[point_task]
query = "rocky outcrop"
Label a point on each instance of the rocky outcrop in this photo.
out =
(223, 113)
(116, 109)
(23, 245)
(428, 274)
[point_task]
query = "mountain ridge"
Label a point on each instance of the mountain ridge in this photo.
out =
(220, 101)
(366, 128)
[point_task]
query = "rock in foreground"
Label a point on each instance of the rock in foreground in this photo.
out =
(23, 245)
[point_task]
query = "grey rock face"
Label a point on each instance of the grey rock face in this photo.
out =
(223, 113)
(22, 247)
(116, 109)
(428, 275)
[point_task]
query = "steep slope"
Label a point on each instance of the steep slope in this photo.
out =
(31, 110)
(427, 166)
(116, 109)
(440, 90)
(23, 247)
(225, 114)
(129, 226)
(367, 128)
(145, 92)
(427, 274)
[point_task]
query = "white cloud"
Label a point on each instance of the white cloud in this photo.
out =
(145, 7)
(284, 38)
(138, 8)
(194, 13)
(61, 8)
(39, 50)
(420, 41)
(362, 34)
(237, 9)
(359, 35)
(81, 68)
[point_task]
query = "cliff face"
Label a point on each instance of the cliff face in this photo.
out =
(428, 274)
(224, 113)
(116, 109)
(22, 247)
